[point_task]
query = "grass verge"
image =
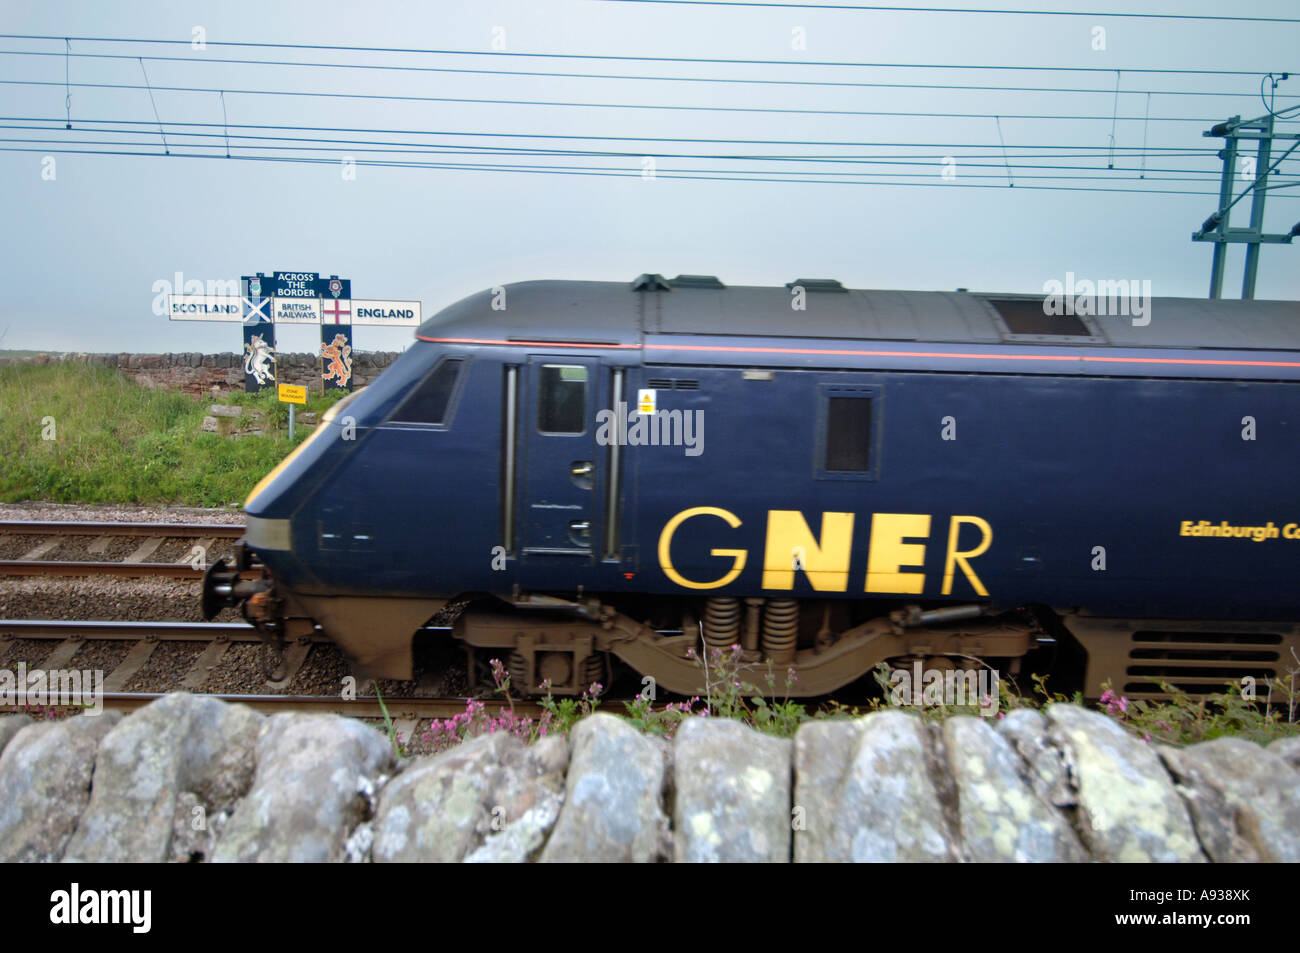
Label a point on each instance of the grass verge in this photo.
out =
(80, 434)
(1266, 713)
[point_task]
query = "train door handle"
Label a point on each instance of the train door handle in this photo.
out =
(580, 532)
(580, 472)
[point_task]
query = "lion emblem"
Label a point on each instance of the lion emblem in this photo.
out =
(257, 360)
(339, 355)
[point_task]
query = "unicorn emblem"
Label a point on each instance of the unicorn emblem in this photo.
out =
(339, 354)
(257, 360)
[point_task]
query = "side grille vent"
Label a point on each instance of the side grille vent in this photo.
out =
(1200, 663)
(669, 383)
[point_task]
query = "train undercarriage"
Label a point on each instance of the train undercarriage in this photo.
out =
(802, 647)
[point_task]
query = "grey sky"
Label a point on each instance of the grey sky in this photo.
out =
(83, 251)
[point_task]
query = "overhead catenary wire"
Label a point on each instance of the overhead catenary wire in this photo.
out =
(67, 82)
(1270, 103)
(877, 8)
(541, 74)
(493, 149)
(1114, 114)
(1002, 147)
(640, 58)
(598, 146)
(1144, 136)
(155, 107)
(226, 127)
(845, 143)
(884, 158)
(634, 173)
(389, 97)
(1173, 175)
(902, 166)
(1011, 182)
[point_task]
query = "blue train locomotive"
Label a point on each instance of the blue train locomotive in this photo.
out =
(828, 478)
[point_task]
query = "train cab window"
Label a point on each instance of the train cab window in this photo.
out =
(847, 435)
(562, 399)
(431, 400)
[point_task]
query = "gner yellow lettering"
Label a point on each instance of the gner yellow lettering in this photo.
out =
(960, 557)
(666, 540)
(791, 547)
(888, 553)
(826, 561)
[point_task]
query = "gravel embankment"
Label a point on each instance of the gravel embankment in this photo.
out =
(124, 513)
(107, 598)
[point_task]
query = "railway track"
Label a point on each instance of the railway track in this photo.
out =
(66, 637)
(53, 534)
(105, 528)
(69, 636)
(56, 567)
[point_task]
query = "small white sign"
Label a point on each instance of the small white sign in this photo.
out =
(297, 311)
(397, 314)
(645, 401)
(205, 308)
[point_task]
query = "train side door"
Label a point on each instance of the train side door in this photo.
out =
(558, 512)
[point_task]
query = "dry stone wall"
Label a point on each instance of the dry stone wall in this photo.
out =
(191, 778)
(198, 374)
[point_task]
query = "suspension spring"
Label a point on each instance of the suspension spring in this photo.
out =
(593, 670)
(722, 615)
(780, 629)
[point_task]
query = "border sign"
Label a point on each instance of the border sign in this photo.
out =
(257, 310)
(259, 357)
(389, 314)
(336, 311)
(295, 297)
(296, 311)
(336, 356)
(308, 284)
(205, 308)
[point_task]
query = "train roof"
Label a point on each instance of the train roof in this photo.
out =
(623, 314)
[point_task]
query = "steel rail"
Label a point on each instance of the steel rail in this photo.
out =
(103, 528)
(132, 631)
(61, 567)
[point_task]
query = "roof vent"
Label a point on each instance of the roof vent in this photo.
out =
(697, 281)
(817, 284)
(651, 282)
(1027, 316)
